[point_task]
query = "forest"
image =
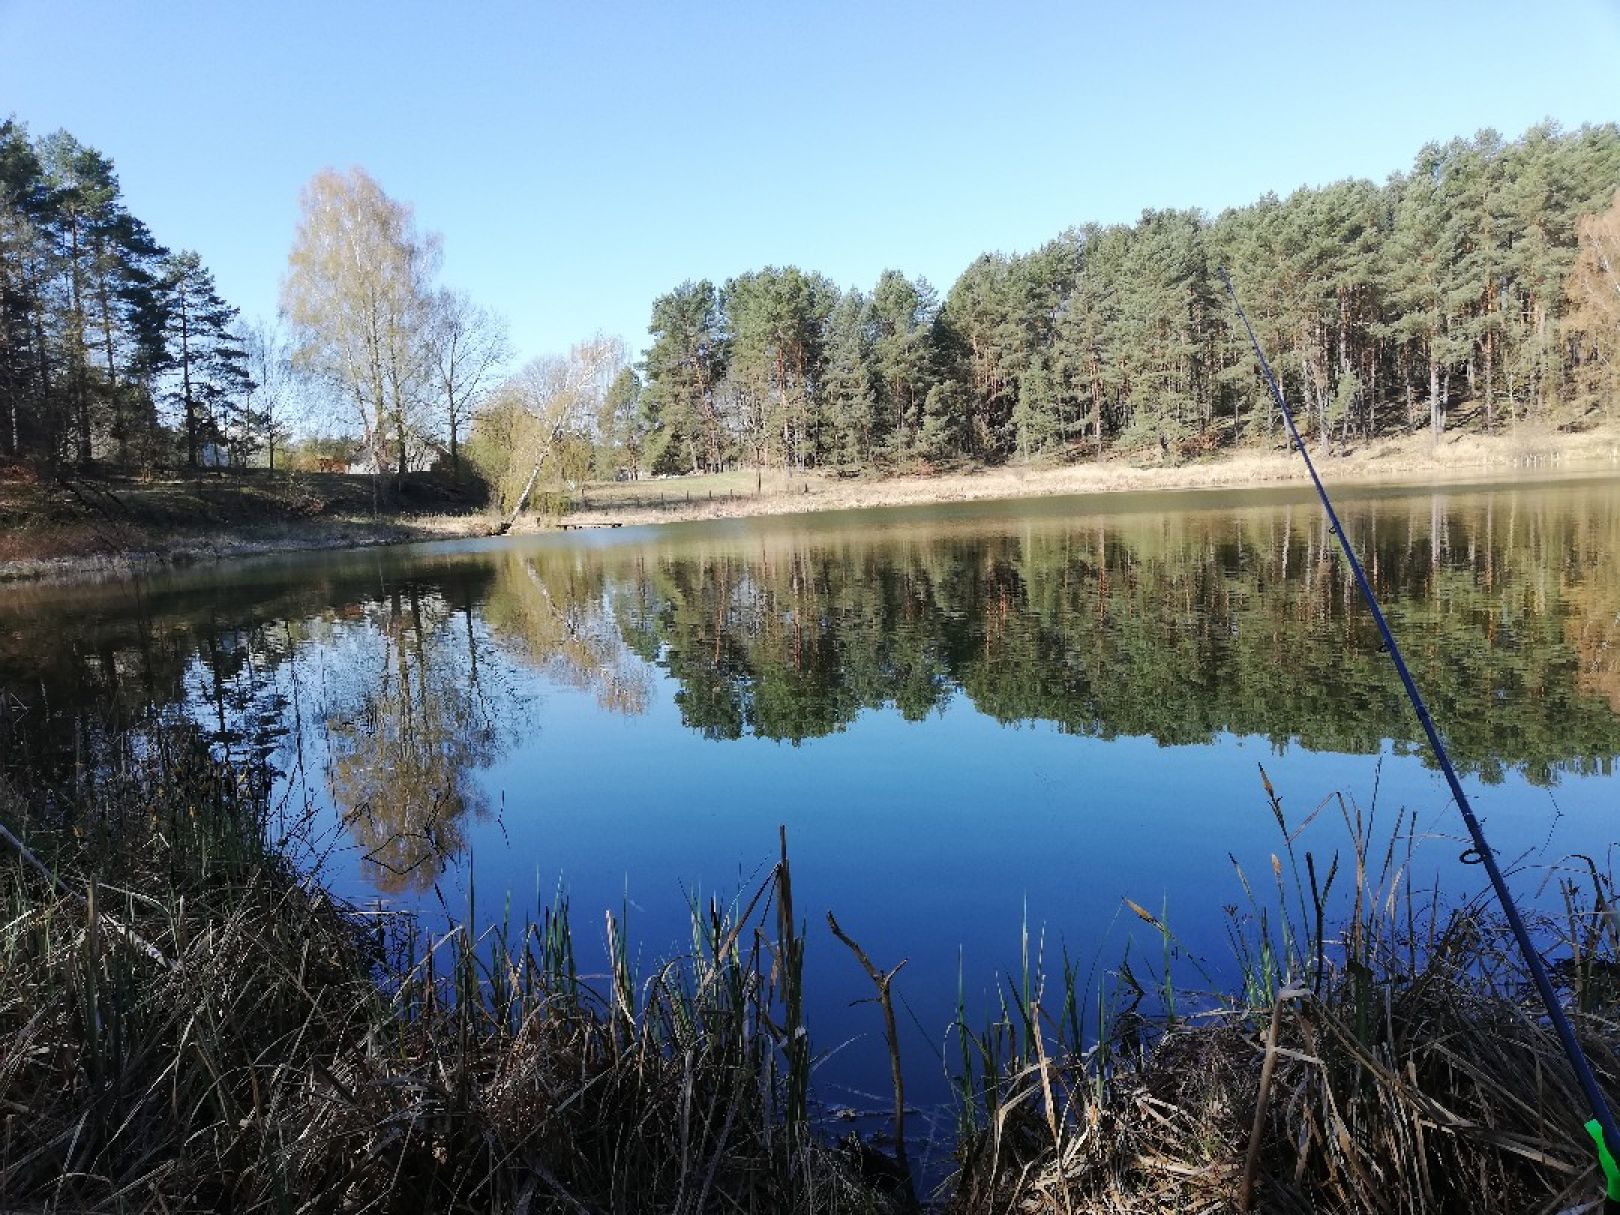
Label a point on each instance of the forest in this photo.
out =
(1476, 290)
(112, 347)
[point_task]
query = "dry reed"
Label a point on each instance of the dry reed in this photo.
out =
(273, 1050)
(1402, 1065)
(189, 1023)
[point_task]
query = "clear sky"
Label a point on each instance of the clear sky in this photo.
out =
(582, 158)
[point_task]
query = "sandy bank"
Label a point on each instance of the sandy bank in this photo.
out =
(1408, 459)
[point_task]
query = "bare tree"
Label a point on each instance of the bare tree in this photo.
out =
(466, 346)
(357, 297)
(275, 400)
(549, 398)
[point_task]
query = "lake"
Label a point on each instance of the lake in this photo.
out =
(975, 721)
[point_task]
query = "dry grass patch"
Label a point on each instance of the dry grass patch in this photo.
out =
(1411, 1065)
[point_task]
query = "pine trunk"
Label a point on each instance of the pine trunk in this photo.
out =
(1437, 413)
(185, 383)
(1490, 381)
(81, 401)
(120, 422)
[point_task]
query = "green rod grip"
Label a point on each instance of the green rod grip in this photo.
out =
(1611, 1170)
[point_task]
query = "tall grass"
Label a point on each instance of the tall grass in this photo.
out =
(188, 1022)
(1392, 1058)
(185, 1024)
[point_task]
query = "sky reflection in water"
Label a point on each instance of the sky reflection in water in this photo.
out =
(967, 718)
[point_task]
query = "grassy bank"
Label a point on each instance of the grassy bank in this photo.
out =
(189, 1023)
(1413, 458)
(87, 525)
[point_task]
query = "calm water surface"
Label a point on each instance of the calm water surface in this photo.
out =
(968, 718)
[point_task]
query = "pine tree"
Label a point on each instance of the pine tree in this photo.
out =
(684, 367)
(904, 357)
(853, 416)
(945, 411)
(1423, 277)
(110, 338)
(211, 388)
(778, 321)
(26, 214)
(973, 316)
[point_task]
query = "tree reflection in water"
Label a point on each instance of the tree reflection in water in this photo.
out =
(559, 614)
(395, 682)
(433, 700)
(1182, 627)
(406, 742)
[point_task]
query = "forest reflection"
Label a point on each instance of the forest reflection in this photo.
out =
(389, 688)
(1181, 628)
(391, 684)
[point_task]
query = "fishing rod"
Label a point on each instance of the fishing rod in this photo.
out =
(1602, 1126)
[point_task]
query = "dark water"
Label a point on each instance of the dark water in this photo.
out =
(970, 719)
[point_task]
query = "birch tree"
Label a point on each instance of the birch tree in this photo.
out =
(466, 346)
(549, 399)
(275, 393)
(357, 298)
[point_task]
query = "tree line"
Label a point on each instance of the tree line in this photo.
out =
(115, 350)
(112, 347)
(1470, 290)
(1477, 289)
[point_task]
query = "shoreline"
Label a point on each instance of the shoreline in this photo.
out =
(185, 549)
(1407, 460)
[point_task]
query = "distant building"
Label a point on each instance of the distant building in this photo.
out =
(420, 456)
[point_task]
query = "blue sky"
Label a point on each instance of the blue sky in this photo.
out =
(580, 159)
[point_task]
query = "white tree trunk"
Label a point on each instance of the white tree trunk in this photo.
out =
(522, 500)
